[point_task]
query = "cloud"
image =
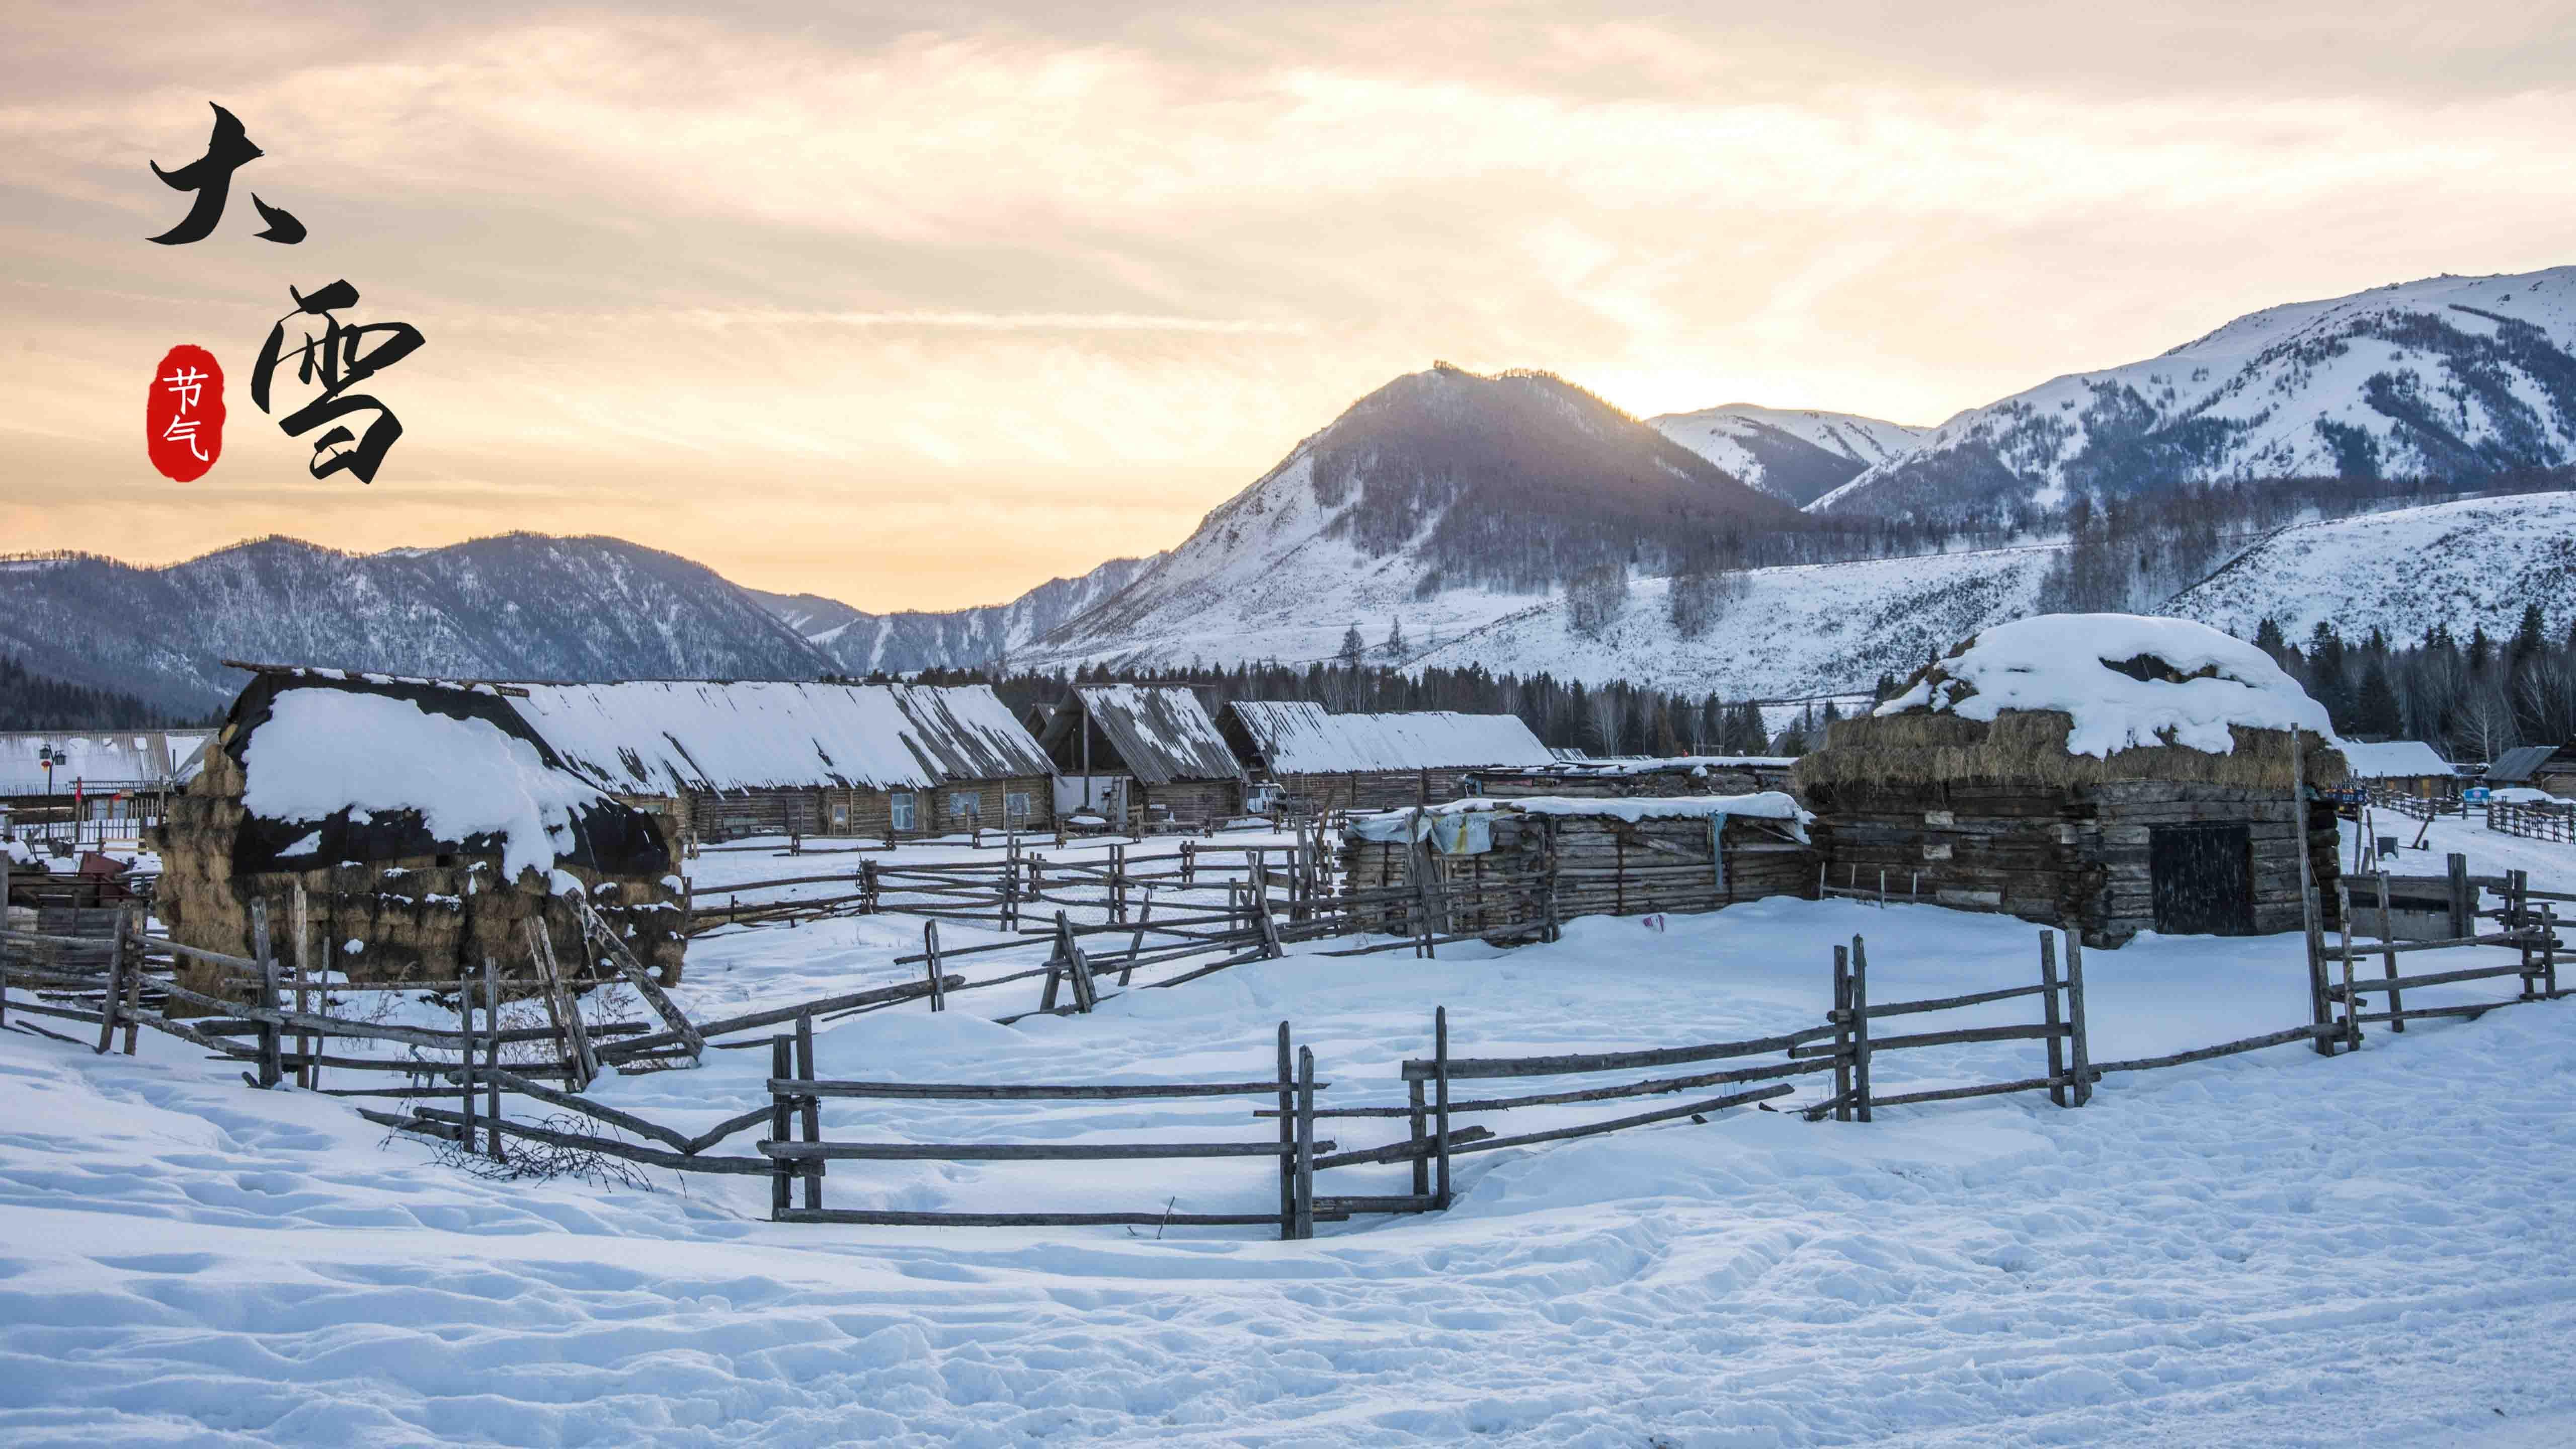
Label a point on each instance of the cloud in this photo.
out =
(956, 267)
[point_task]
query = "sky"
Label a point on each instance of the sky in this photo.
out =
(919, 305)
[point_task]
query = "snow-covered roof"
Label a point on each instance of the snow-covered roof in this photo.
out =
(100, 760)
(2393, 759)
(648, 736)
(2517, 766)
(1759, 805)
(1674, 765)
(1299, 738)
(1160, 732)
(354, 769)
(2128, 681)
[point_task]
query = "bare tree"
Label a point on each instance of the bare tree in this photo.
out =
(1595, 598)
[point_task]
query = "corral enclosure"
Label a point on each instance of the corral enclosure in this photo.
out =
(1520, 862)
(426, 825)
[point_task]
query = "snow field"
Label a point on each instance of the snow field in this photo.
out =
(2273, 1248)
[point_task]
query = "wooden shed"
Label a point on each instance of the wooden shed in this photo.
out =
(2103, 773)
(1325, 761)
(428, 826)
(1144, 755)
(727, 759)
(2550, 768)
(1513, 862)
(2401, 767)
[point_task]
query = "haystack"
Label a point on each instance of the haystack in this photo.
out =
(428, 827)
(2105, 773)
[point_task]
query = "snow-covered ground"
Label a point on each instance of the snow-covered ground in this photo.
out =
(2275, 1248)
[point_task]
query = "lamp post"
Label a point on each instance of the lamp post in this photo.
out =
(47, 757)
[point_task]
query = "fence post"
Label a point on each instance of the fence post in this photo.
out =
(270, 1073)
(1305, 1142)
(867, 887)
(930, 948)
(1440, 1096)
(2517, 919)
(116, 969)
(810, 1108)
(127, 928)
(1287, 1140)
(2464, 899)
(2080, 1054)
(1189, 864)
(2351, 1006)
(1840, 1016)
(1860, 1027)
(307, 1045)
(2388, 958)
(781, 1065)
(2053, 1016)
(2549, 949)
(2320, 1010)
(1136, 942)
(492, 1052)
(1419, 1138)
(465, 1067)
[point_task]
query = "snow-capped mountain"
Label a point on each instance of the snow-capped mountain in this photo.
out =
(1436, 504)
(1799, 456)
(863, 643)
(521, 606)
(2451, 377)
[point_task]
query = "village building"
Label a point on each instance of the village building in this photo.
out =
(2103, 773)
(1632, 779)
(727, 759)
(406, 830)
(1489, 865)
(92, 788)
(2401, 767)
(1142, 756)
(1321, 761)
(2550, 769)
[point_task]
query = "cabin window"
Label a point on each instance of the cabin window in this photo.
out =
(899, 808)
(1015, 805)
(840, 817)
(964, 805)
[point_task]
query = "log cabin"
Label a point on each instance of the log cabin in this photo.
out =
(728, 759)
(428, 825)
(1142, 756)
(1321, 761)
(2102, 773)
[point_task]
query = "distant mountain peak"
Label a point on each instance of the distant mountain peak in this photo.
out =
(2450, 377)
(1796, 455)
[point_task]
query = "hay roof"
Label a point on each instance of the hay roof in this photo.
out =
(2065, 700)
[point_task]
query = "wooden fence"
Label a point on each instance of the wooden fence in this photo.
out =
(2533, 822)
(2529, 921)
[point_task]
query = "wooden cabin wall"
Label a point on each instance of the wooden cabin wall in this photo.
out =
(1198, 801)
(731, 815)
(2076, 859)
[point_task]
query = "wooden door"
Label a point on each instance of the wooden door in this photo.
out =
(2204, 879)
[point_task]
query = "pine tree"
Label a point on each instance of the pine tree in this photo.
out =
(1354, 648)
(2267, 637)
(2481, 648)
(2374, 711)
(1395, 639)
(2529, 639)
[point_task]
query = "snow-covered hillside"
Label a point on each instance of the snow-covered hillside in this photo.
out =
(863, 643)
(2448, 376)
(518, 606)
(2479, 561)
(1834, 628)
(1790, 454)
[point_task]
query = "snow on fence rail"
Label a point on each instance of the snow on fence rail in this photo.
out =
(2533, 821)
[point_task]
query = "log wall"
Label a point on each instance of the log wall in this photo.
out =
(2074, 858)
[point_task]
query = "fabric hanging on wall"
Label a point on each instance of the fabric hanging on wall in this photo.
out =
(1461, 834)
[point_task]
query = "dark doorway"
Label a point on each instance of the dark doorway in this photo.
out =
(2204, 879)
